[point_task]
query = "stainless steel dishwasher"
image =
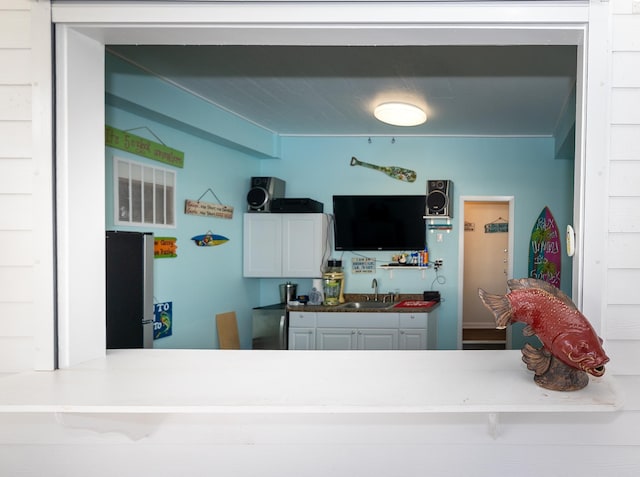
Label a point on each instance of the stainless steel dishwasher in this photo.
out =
(270, 327)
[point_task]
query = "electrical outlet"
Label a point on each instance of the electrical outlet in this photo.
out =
(437, 264)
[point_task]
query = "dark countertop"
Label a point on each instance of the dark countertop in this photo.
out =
(356, 297)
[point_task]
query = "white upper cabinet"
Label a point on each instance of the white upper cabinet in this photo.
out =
(284, 245)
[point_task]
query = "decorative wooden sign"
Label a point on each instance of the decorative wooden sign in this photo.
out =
(207, 209)
(165, 247)
(140, 146)
(496, 227)
(363, 265)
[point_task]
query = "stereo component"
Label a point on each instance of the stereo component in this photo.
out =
(262, 193)
(293, 206)
(439, 198)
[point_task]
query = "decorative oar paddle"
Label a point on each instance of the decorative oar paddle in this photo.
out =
(392, 171)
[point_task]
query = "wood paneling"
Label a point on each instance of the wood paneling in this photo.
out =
(625, 145)
(15, 29)
(16, 248)
(625, 33)
(623, 214)
(16, 353)
(624, 178)
(15, 103)
(16, 284)
(623, 250)
(623, 322)
(16, 212)
(625, 67)
(16, 319)
(15, 66)
(624, 105)
(16, 139)
(16, 176)
(622, 286)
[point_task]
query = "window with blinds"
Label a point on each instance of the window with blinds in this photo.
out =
(143, 194)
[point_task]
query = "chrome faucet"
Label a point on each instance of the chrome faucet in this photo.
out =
(374, 285)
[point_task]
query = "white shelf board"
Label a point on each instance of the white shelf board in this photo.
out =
(243, 381)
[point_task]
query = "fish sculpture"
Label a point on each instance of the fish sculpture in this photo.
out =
(565, 333)
(399, 173)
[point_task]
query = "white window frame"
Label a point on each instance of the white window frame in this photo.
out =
(151, 177)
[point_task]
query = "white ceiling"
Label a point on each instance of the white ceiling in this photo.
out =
(332, 90)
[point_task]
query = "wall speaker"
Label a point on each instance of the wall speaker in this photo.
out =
(262, 191)
(440, 198)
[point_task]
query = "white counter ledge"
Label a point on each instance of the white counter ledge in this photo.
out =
(212, 381)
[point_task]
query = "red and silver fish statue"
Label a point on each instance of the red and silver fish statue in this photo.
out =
(565, 333)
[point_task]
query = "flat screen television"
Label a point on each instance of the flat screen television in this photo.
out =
(379, 222)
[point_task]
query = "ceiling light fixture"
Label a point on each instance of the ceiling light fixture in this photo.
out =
(400, 114)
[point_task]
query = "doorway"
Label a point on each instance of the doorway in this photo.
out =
(486, 245)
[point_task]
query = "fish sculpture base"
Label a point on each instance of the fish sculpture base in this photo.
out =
(551, 373)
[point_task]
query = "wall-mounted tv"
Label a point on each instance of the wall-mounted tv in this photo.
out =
(379, 222)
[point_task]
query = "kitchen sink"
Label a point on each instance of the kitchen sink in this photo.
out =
(366, 305)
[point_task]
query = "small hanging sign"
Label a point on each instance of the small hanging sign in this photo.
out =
(162, 320)
(165, 247)
(363, 265)
(209, 239)
(140, 146)
(496, 227)
(207, 209)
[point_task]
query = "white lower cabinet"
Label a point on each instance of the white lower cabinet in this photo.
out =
(362, 331)
(356, 338)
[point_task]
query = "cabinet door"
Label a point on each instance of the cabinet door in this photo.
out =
(377, 339)
(302, 338)
(336, 338)
(303, 243)
(262, 245)
(413, 339)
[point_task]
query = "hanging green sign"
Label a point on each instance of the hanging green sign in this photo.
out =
(143, 147)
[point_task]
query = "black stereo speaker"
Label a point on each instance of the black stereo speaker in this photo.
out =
(262, 192)
(439, 198)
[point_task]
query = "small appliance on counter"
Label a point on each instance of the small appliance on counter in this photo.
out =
(333, 283)
(431, 296)
(288, 292)
(269, 327)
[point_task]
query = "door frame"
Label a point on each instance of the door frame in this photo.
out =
(510, 201)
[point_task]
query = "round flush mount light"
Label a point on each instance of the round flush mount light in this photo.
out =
(400, 114)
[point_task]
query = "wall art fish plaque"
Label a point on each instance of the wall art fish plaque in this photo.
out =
(571, 349)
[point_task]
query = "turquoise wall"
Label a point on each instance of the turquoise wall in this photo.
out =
(204, 281)
(521, 167)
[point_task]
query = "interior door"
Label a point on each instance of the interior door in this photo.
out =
(486, 259)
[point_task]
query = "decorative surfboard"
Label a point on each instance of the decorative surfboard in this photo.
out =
(544, 249)
(209, 240)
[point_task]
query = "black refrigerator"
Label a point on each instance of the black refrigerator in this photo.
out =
(129, 257)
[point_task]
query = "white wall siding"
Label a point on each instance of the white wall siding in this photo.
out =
(16, 188)
(622, 330)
